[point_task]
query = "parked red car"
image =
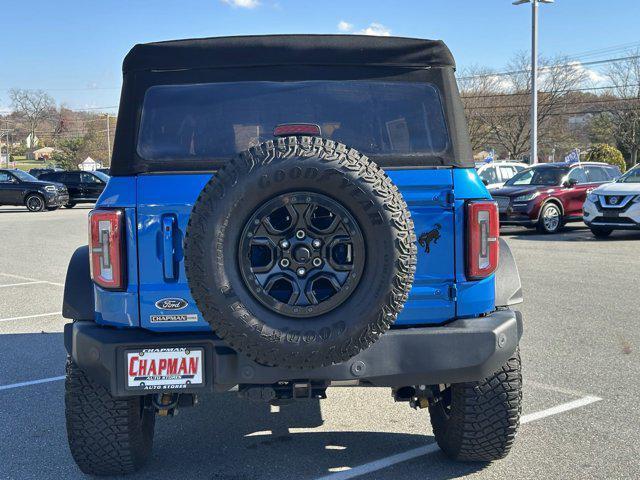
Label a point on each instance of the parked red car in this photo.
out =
(547, 196)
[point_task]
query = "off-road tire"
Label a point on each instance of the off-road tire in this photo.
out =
(484, 416)
(601, 232)
(107, 436)
(297, 164)
(32, 205)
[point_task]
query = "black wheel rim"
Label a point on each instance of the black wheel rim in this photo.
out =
(34, 203)
(301, 254)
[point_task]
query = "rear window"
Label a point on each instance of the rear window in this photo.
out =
(218, 120)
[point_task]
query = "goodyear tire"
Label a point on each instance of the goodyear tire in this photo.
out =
(319, 317)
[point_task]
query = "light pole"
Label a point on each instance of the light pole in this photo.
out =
(534, 75)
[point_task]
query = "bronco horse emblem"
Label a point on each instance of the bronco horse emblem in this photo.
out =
(426, 238)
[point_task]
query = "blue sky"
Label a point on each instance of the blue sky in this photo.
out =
(74, 48)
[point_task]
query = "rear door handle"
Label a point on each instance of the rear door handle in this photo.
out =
(168, 251)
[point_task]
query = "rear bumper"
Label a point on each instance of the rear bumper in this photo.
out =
(464, 350)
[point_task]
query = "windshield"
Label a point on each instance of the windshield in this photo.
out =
(102, 176)
(24, 176)
(218, 120)
(550, 176)
(632, 176)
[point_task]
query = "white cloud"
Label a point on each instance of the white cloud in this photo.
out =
(593, 76)
(242, 3)
(345, 26)
(376, 29)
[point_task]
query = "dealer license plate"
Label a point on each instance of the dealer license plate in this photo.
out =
(165, 368)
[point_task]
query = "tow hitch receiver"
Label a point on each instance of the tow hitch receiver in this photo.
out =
(283, 392)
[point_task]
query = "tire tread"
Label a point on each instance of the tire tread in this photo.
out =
(107, 436)
(484, 416)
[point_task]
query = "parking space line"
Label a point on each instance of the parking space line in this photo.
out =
(29, 279)
(51, 314)
(433, 447)
(23, 283)
(566, 391)
(31, 382)
(563, 407)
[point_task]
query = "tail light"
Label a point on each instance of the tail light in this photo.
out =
(106, 247)
(483, 231)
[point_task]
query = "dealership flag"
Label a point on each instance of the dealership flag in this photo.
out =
(573, 157)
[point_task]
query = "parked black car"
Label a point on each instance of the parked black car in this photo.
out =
(83, 187)
(19, 188)
(36, 172)
(106, 171)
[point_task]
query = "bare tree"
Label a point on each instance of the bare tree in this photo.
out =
(35, 106)
(506, 114)
(478, 87)
(625, 113)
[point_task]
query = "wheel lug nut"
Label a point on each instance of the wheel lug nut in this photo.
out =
(300, 234)
(284, 244)
(301, 272)
(284, 263)
(316, 243)
(317, 262)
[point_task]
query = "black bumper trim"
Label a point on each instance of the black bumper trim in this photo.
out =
(461, 351)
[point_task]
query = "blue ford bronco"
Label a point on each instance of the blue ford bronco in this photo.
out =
(289, 213)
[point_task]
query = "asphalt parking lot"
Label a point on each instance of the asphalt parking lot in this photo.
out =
(580, 356)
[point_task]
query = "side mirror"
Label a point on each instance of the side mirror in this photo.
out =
(570, 183)
(485, 181)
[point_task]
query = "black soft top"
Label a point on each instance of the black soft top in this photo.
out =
(273, 50)
(283, 58)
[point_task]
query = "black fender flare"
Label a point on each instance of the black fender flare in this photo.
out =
(79, 303)
(508, 284)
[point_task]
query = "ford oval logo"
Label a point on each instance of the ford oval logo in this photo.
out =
(171, 304)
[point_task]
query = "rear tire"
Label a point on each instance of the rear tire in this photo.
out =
(601, 232)
(550, 219)
(107, 436)
(477, 421)
(70, 205)
(34, 202)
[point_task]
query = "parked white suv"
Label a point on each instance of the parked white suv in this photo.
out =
(494, 174)
(614, 206)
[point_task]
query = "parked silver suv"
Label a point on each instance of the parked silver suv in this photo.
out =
(614, 206)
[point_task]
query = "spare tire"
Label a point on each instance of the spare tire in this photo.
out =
(300, 252)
